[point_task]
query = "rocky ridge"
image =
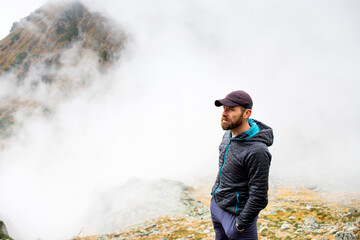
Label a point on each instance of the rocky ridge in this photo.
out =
(51, 56)
(42, 35)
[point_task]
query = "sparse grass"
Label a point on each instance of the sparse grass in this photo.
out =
(71, 32)
(19, 59)
(104, 55)
(72, 16)
(60, 30)
(14, 38)
(4, 236)
(5, 122)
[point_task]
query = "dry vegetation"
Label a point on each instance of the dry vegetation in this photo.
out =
(292, 213)
(40, 37)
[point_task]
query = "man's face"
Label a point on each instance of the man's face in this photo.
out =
(232, 117)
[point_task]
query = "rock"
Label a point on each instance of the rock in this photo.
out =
(3, 228)
(352, 211)
(311, 224)
(163, 197)
(308, 207)
(344, 235)
(278, 209)
(285, 226)
(333, 230)
(193, 208)
(313, 187)
(103, 237)
(4, 235)
(350, 226)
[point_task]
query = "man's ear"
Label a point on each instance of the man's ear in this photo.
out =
(247, 113)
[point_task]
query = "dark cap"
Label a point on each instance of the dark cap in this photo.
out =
(236, 98)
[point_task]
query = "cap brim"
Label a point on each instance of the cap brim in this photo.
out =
(225, 102)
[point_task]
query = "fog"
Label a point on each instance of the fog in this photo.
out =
(152, 116)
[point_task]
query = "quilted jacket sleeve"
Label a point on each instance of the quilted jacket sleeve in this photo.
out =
(258, 164)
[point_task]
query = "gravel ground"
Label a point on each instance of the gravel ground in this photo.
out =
(292, 213)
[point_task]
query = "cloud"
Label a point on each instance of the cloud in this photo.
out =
(297, 60)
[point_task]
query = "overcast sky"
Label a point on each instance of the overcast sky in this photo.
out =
(13, 11)
(299, 56)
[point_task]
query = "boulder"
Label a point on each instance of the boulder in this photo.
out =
(344, 235)
(286, 226)
(311, 224)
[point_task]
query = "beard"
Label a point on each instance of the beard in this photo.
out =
(231, 125)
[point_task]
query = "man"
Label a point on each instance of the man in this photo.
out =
(241, 187)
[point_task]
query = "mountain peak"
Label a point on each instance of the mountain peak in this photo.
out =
(51, 55)
(42, 35)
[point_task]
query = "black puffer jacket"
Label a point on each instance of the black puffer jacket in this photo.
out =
(241, 186)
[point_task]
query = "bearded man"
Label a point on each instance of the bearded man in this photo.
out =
(240, 191)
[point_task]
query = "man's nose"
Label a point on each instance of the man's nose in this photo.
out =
(224, 113)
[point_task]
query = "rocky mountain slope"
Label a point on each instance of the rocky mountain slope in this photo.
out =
(292, 213)
(52, 55)
(42, 35)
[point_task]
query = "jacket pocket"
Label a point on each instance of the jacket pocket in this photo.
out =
(237, 202)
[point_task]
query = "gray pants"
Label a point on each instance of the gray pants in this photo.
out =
(224, 225)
